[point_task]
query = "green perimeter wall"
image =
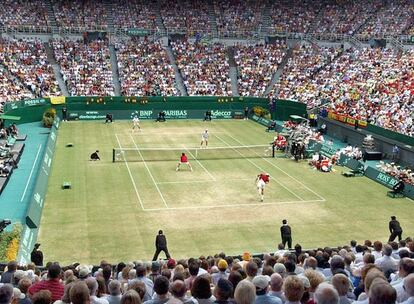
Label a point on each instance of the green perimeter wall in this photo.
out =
(90, 108)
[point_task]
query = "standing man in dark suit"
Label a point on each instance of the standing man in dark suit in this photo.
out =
(160, 245)
(395, 229)
(37, 256)
(286, 234)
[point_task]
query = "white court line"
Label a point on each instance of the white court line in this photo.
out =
(130, 175)
(232, 205)
(142, 133)
(149, 171)
(31, 172)
(261, 169)
(277, 167)
(203, 181)
(198, 162)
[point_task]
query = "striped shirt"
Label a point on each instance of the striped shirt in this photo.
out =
(53, 285)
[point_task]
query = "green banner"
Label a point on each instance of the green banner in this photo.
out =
(388, 181)
(261, 120)
(138, 32)
(149, 114)
(35, 209)
(26, 245)
(325, 150)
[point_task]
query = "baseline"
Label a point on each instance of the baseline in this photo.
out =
(130, 175)
(232, 205)
(202, 181)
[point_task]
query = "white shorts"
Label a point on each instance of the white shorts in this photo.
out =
(204, 139)
(261, 184)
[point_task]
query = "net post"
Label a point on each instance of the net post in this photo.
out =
(113, 155)
(273, 150)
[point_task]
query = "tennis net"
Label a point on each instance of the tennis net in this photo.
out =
(168, 154)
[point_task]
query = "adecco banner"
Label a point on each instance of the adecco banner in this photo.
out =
(149, 114)
(388, 181)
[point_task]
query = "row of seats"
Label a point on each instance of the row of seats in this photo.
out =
(235, 17)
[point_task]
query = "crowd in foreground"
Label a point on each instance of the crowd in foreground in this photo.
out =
(373, 273)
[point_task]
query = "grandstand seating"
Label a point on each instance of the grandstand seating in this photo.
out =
(205, 68)
(311, 74)
(27, 60)
(257, 64)
(133, 14)
(144, 69)
(85, 67)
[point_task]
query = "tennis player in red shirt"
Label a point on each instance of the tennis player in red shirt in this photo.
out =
(261, 181)
(184, 160)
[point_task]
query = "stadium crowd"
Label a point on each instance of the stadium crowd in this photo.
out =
(30, 13)
(133, 14)
(27, 60)
(80, 13)
(345, 17)
(297, 80)
(390, 20)
(257, 65)
(144, 69)
(375, 85)
(85, 67)
(369, 273)
(238, 17)
(204, 68)
(186, 16)
(11, 89)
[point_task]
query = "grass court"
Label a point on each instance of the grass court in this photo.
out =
(115, 209)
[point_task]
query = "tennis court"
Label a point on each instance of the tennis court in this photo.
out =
(224, 172)
(114, 209)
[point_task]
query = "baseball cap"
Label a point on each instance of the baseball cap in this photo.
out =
(261, 281)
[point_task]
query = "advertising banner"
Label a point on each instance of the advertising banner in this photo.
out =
(388, 181)
(149, 114)
(35, 209)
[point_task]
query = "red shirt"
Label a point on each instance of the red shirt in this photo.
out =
(53, 285)
(184, 158)
(264, 178)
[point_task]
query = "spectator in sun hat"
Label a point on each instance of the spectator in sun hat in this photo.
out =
(280, 269)
(83, 272)
(261, 283)
(222, 267)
